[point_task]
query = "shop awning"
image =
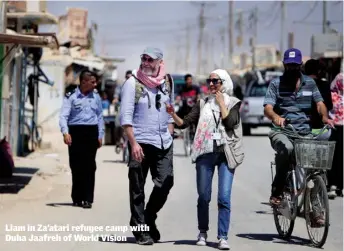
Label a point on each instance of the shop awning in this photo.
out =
(33, 17)
(90, 64)
(37, 40)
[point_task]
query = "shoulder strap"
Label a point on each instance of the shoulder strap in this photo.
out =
(202, 102)
(139, 89)
(169, 85)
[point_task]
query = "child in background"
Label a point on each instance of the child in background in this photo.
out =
(105, 101)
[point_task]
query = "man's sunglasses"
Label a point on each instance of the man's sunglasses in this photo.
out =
(157, 101)
(214, 81)
(147, 59)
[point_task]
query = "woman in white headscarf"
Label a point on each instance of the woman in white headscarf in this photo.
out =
(217, 142)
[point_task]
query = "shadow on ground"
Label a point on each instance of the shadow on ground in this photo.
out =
(180, 155)
(60, 204)
(193, 243)
(256, 135)
(275, 239)
(21, 177)
(114, 161)
(132, 240)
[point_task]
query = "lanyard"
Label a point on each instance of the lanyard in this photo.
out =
(217, 122)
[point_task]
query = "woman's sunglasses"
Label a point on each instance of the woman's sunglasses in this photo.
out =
(147, 59)
(214, 81)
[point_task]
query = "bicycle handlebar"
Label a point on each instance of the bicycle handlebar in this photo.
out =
(287, 124)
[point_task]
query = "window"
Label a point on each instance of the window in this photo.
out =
(258, 90)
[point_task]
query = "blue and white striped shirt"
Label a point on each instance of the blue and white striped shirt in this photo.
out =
(79, 109)
(150, 125)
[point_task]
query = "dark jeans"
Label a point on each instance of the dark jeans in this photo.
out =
(205, 167)
(160, 164)
(82, 161)
(335, 175)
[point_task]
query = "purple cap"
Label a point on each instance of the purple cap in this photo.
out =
(292, 56)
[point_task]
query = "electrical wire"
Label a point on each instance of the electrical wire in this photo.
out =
(128, 25)
(272, 22)
(315, 23)
(153, 30)
(315, 4)
(146, 34)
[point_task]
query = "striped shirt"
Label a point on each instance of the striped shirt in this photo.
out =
(294, 105)
(79, 109)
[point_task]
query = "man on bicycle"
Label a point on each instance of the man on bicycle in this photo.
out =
(290, 97)
(189, 96)
(117, 101)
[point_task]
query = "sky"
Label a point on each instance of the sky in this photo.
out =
(126, 28)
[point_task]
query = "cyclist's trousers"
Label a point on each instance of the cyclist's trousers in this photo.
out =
(284, 148)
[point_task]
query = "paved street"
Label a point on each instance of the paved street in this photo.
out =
(252, 225)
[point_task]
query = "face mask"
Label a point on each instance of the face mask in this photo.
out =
(292, 75)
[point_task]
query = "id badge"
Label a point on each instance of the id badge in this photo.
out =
(215, 136)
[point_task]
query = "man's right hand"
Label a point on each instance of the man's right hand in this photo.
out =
(67, 139)
(279, 121)
(137, 152)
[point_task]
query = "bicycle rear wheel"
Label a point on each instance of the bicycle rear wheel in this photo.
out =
(316, 204)
(187, 141)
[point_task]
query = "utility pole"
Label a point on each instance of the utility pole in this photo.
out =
(200, 38)
(207, 66)
(222, 36)
(324, 25)
(282, 26)
(253, 40)
(212, 65)
(201, 24)
(230, 32)
(177, 55)
(187, 56)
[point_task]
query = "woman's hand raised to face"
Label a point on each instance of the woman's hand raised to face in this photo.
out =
(219, 98)
(169, 108)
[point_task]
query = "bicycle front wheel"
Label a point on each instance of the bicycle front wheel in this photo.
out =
(285, 214)
(317, 207)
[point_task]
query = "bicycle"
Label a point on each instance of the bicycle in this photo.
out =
(35, 134)
(188, 137)
(314, 157)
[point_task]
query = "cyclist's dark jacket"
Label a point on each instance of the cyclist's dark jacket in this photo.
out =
(325, 91)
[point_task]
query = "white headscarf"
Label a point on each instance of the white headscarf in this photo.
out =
(227, 88)
(227, 83)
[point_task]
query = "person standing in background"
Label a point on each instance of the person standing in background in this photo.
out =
(314, 69)
(335, 175)
(82, 126)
